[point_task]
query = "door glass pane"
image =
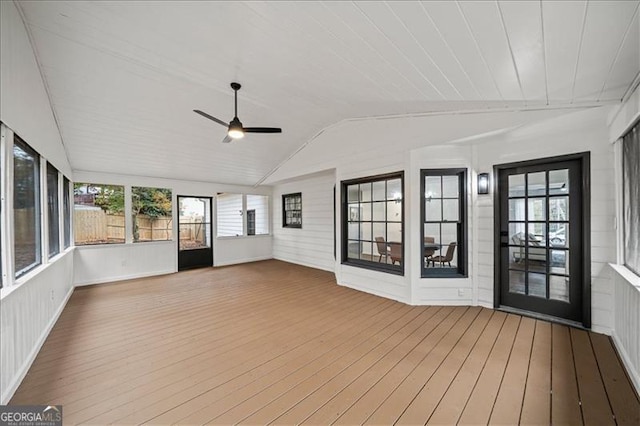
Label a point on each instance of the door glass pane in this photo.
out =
(537, 209)
(194, 223)
(537, 234)
(516, 233)
(516, 209)
(559, 261)
(537, 285)
(450, 186)
(558, 234)
(559, 288)
(559, 181)
(516, 258)
(536, 262)
(516, 185)
(536, 184)
(433, 210)
(516, 282)
(450, 210)
(559, 208)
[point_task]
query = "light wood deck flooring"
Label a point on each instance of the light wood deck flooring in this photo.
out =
(275, 342)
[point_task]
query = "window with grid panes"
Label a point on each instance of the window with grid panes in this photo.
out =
(292, 210)
(372, 223)
(443, 212)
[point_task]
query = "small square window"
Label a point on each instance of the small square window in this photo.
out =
(292, 210)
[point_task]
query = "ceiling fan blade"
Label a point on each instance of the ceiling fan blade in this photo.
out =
(262, 129)
(227, 139)
(210, 117)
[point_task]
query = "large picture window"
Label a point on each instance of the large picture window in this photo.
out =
(98, 214)
(443, 213)
(26, 207)
(152, 214)
(292, 210)
(631, 198)
(66, 206)
(53, 215)
(372, 222)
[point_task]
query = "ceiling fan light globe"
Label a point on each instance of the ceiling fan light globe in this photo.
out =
(236, 133)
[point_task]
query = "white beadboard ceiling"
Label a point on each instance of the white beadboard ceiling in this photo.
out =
(124, 76)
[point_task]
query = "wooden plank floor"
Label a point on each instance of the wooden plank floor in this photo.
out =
(272, 342)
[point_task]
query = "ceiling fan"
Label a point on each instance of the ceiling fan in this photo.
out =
(235, 128)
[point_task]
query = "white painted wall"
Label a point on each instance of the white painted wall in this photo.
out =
(24, 104)
(104, 263)
(30, 305)
(229, 215)
(27, 315)
(311, 245)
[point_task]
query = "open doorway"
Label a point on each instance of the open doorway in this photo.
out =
(194, 233)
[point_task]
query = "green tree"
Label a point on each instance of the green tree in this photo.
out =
(151, 202)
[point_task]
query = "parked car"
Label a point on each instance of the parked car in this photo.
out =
(558, 238)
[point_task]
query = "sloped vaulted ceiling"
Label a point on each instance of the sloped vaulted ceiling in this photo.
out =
(124, 77)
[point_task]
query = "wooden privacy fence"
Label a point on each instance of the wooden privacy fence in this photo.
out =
(192, 228)
(94, 226)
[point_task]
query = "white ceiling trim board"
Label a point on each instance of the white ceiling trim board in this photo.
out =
(575, 71)
(513, 58)
(444, 41)
(426, 53)
(477, 45)
(544, 55)
(409, 61)
(615, 59)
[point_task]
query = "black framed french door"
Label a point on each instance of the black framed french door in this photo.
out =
(195, 248)
(543, 247)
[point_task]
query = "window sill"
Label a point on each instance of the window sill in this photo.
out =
(19, 282)
(116, 245)
(372, 266)
(627, 274)
(235, 237)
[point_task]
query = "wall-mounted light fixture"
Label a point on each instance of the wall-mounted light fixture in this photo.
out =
(483, 183)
